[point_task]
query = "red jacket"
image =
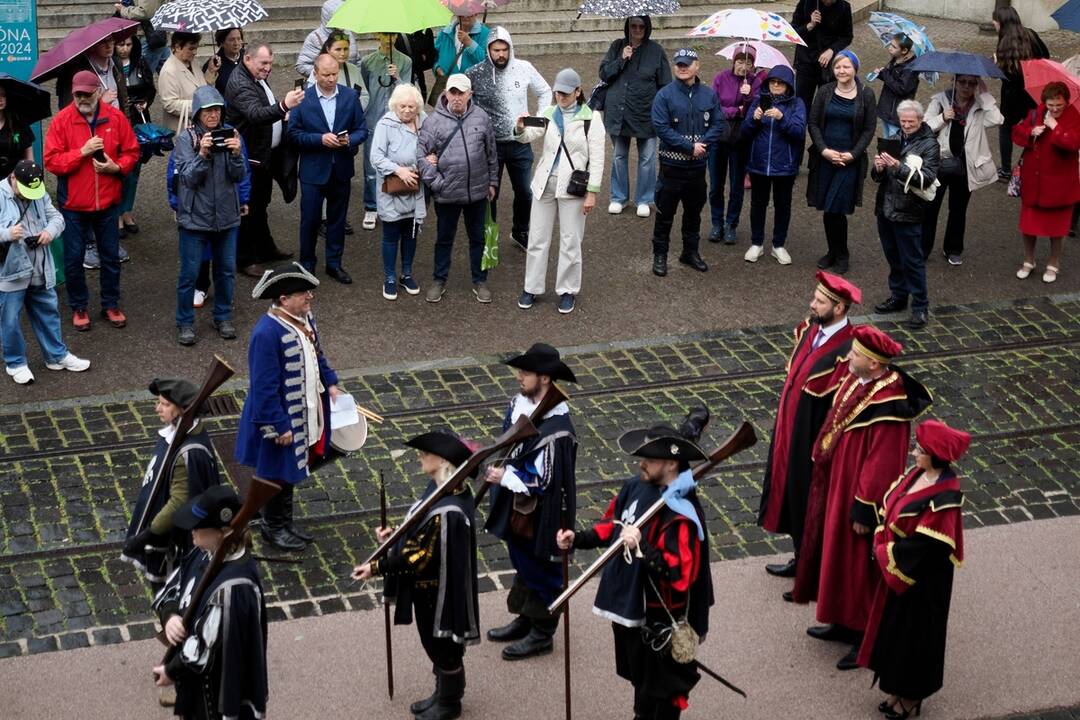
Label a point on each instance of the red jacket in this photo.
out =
(79, 187)
(1048, 175)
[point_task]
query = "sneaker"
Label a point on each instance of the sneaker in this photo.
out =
(370, 217)
(615, 208)
(526, 300)
(643, 210)
(69, 362)
(566, 304)
(955, 260)
(225, 329)
(436, 291)
(407, 282)
(480, 290)
(185, 335)
(730, 236)
(91, 261)
(123, 254)
(200, 299)
(115, 316)
(755, 252)
(781, 255)
(1004, 175)
(21, 375)
(389, 289)
(80, 319)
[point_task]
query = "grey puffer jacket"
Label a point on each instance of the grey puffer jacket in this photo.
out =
(392, 147)
(893, 202)
(468, 165)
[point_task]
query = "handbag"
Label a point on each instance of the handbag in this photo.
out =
(393, 185)
(914, 164)
(579, 179)
(1013, 190)
(490, 258)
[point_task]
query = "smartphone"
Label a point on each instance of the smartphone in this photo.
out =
(890, 146)
(533, 121)
(765, 102)
(298, 84)
(344, 134)
(99, 155)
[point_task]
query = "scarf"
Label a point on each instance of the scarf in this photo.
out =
(675, 498)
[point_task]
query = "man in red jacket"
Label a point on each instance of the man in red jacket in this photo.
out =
(90, 147)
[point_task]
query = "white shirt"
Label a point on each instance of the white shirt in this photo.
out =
(276, 137)
(824, 333)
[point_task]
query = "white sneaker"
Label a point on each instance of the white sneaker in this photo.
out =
(781, 255)
(69, 362)
(643, 210)
(753, 253)
(369, 220)
(21, 374)
(615, 208)
(200, 299)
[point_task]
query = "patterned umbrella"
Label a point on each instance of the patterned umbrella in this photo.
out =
(628, 8)
(76, 42)
(765, 56)
(201, 16)
(886, 24)
(465, 8)
(748, 24)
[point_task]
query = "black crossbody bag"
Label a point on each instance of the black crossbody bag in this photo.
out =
(579, 179)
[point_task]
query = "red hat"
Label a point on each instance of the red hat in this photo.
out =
(85, 81)
(838, 289)
(942, 441)
(875, 344)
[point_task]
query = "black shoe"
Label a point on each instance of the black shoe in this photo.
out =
(782, 569)
(514, 630)
(450, 688)
(841, 265)
(826, 261)
(282, 539)
(900, 712)
(659, 265)
(279, 254)
(831, 633)
(716, 235)
(891, 305)
(349, 229)
(918, 320)
(254, 270)
(521, 240)
(225, 329)
(340, 275)
(302, 535)
(421, 705)
(788, 596)
(533, 644)
(694, 260)
(848, 661)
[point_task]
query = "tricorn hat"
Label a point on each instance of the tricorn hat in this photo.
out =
(284, 280)
(442, 443)
(660, 442)
(214, 508)
(176, 390)
(543, 359)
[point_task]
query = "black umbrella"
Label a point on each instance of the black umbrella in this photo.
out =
(26, 100)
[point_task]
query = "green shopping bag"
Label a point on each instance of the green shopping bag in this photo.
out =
(491, 243)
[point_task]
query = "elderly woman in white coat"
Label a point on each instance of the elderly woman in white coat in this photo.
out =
(180, 77)
(573, 140)
(960, 115)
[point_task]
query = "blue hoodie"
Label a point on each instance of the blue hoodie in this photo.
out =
(775, 144)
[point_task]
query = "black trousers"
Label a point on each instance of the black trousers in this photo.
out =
(444, 653)
(956, 224)
(674, 185)
(780, 188)
(836, 233)
(255, 242)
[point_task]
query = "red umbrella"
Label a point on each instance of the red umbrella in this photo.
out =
(1040, 73)
(77, 42)
(464, 8)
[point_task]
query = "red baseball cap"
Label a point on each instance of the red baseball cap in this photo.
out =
(875, 344)
(838, 289)
(941, 441)
(85, 81)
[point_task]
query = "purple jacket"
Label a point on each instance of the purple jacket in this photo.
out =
(726, 86)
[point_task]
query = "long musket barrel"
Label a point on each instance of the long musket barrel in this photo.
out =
(386, 606)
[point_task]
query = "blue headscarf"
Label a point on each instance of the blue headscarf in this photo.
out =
(675, 498)
(850, 56)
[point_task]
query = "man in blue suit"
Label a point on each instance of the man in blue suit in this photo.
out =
(328, 127)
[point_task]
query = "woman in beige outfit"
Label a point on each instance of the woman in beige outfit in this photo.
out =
(179, 78)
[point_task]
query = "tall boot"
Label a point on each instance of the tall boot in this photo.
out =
(421, 705)
(538, 642)
(447, 706)
(275, 525)
(514, 630)
(287, 505)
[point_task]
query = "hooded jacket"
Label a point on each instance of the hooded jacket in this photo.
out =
(447, 49)
(394, 146)
(504, 94)
(468, 163)
(17, 265)
(305, 61)
(683, 115)
(775, 145)
(633, 84)
(893, 202)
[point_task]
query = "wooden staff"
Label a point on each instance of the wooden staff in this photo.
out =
(386, 605)
(566, 525)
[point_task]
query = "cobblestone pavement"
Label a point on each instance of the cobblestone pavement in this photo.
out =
(1006, 371)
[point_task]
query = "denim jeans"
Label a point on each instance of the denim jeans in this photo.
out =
(43, 312)
(902, 244)
(446, 227)
(393, 233)
(80, 229)
(518, 159)
(223, 249)
(646, 170)
(726, 162)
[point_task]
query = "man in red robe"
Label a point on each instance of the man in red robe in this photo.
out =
(861, 450)
(815, 368)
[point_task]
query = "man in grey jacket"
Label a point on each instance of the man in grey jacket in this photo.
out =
(458, 160)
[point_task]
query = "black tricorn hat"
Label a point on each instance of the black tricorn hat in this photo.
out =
(660, 442)
(543, 359)
(176, 390)
(214, 508)
(442, 443)
(284, 280)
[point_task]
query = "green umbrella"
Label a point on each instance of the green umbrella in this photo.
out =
(396, 16)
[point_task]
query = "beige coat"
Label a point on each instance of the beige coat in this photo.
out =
(584, 151)
(981, 170)
(176, 85)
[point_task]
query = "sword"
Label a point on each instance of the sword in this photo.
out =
(716, 676)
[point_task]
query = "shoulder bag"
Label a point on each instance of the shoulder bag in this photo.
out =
(579, 179)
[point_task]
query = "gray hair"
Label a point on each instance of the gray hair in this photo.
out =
(913, 106)
(252, 49)
(403, 92)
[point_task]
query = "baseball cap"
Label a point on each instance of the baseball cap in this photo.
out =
(685, 56)
(30, 179)
(85, 81)
(459, 81)
(567, 81)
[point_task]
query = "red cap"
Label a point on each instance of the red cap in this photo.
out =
(875, 344)
(942, 441)
(85, 81)
(838, 289)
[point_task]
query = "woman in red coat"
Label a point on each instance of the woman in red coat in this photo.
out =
(1049, 182)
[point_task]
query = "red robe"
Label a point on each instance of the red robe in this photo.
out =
(860, 451)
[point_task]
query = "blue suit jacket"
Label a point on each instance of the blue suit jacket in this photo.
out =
(307, 125)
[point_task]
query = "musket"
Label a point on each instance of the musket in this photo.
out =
(386, 606)
(552, 397)
(521, 430)
(741, 439)
(566, 525)
(716, 676)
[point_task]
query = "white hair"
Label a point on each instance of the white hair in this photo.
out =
(913, 106)
(402, 92)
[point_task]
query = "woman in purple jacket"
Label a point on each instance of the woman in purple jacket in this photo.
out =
(735, 88)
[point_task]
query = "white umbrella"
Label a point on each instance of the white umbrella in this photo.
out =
(748, 24)
(765, 56)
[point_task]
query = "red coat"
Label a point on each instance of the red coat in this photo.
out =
(80, 188)
(1048, 174)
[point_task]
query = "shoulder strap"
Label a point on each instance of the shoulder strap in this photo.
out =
(566, 152)
(449, 138)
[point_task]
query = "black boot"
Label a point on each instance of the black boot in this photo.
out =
(841, 265)
(275, 528)
(447, 705)
(287, 509)
(514, 630)
(659, 265)
(538, 642)
(421, 705)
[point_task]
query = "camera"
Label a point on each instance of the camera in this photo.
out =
(32, 241)
(218, 138)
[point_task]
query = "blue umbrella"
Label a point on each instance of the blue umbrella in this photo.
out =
(957, 63)
(1068, 16)
(887, 24)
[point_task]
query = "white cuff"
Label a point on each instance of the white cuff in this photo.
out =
(512, 482)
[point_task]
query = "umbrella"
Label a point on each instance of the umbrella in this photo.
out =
(957, 63)
(1040, 73)
(628, 8)
(1068, 16)
(77, 42)
(199, 16)
(766, 55)
(28, 101)
(748, 24)
(464, 8)
(395, 16)
(887, 24)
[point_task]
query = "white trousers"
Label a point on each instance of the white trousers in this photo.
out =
(571, 232)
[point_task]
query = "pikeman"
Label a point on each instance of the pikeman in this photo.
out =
(285, 424)
(666, 577)
(815, 368)
(533, 496)
(861, 449)
(220, 665)
(432, 572)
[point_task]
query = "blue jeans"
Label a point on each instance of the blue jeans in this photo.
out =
(336, 194)
(518, 159)
(403, 232)
(223, 251)
(446, 220)
(80, 229)
(902, 244)
(43, 312)
(646, 170)
(726, 162)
